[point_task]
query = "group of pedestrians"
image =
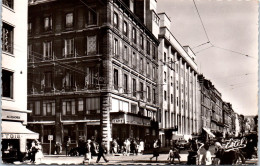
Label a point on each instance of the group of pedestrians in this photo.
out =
(134, 146)
(35, 154)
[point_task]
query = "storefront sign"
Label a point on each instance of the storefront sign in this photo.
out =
(17, 116)
(11, 136)
(118, 121)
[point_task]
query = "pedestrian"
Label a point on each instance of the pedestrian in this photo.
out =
(88, 151)
(33, 152)
(171, 156)
(206, 157)
(67, 147)
(39, 154)
(101, 151)
(127, 147)
(141, 146)
(155, 150)
(218, 153)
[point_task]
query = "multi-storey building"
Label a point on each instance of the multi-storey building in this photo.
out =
(14, 77)
(211, 107)
(177, 86)
(227, 119)
(93, 69)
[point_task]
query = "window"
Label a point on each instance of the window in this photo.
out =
(177, 68)
(141, 65)
(68, 107)
(37, 106)
(133, 108)
(165, 96)
(48, 108)
(47, 23)
(134, 35)
(30, 53)
(91, 18)
(154, 96)
(8, 3)
(153, 73)
(80, 105)
(91, 78)
(148, 47)
(164, 76)
(91, 45)
(171, 98)
(141, 90)
(7, 83)
(164, 55)
(148, 94)
(154, 52)
(115, 46)
(69, 48)
(47, 50)
(142, 41)
(125, 83)
(116, 20)
(93, 105)
(148, 69)
(7, 38)
(177, 101)
(68, 80)
(134, 60)
(69, 20)
(134, 87)
(125, 57)
(48, 79)
(29, 28)
(116, 79)
(125, 28)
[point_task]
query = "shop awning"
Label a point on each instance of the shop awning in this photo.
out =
(16, 130)
(42, 122)
(209, 132)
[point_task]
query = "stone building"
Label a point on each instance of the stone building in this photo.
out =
(178, 86)
(93, 70)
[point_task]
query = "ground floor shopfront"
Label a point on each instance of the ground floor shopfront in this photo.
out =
(16, 138)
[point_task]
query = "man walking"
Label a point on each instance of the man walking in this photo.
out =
(101, 151)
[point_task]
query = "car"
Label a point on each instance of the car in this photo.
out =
(182, 144)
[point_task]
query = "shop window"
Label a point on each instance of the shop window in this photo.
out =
(48, 108)
(7, 38)
(48, 130)
(69, 20)
(48, 23)
(47, 50)
(68, 50)
(8, 3)
(7, 83)
(68, 107)
(116, 79)
(69, 132)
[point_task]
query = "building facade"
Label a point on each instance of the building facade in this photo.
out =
(14, 77)
(93, 70)
(178, 115)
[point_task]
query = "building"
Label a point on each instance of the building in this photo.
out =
(212, 108)
(93, 70)
(178, 114)
(14, 77)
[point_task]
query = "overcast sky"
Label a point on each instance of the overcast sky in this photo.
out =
(230, 24)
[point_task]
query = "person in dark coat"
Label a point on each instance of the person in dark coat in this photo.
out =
(155, 150)
(101, 151)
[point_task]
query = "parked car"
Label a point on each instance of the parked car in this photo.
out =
(182, 144)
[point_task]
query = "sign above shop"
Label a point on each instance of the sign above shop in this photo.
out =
(17, 116)
(118, 121)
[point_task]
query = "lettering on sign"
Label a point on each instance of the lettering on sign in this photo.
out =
(118, 121)
(11, 136)
(13, 117)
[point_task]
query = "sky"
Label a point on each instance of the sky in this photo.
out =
(232, 28)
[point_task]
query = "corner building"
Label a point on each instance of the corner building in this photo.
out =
(93, 70)
(178, 87)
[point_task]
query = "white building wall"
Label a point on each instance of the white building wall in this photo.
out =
(17, 62)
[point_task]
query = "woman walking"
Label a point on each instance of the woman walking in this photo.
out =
(155, 150)
(39, 154)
